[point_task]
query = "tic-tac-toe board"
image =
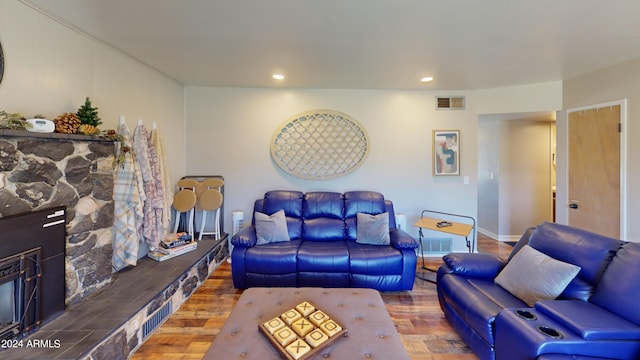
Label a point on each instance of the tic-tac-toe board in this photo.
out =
(302, 331)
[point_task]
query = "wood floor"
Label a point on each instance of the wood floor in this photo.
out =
(425, 333)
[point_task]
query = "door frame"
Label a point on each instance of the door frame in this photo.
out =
(623, 162)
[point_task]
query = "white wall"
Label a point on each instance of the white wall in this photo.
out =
(489, 176)
(614, 83)
(229, 132)
(51, 68)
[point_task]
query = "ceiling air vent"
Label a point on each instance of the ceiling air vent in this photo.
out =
(450, 102)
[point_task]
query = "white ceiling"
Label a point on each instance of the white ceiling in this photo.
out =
(362, 44)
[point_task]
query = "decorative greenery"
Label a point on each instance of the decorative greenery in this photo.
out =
(88, 114)
(13, 121)
(109, 135)
(121, 149)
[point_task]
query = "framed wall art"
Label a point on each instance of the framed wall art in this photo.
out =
(446, 152)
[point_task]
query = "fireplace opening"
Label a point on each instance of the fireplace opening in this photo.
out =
(32, 270)
(19, 293)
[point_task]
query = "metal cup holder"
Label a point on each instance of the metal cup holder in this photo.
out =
(526, 314)
(550, 332)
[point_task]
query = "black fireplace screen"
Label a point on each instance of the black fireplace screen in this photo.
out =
(32, 270)
(19, 293)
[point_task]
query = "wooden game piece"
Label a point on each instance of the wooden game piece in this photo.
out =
(298, 348)
(274, 325)
(302, 327)
(290, 316)
(316, 338)
(330, 327)
(285, 336)
(318, 318)
(305, 308)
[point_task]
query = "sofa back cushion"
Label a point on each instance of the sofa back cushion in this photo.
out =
(367, 202)
(323, 214)
(619, 288)
(290, 202)
(323, 204)
(591, 252)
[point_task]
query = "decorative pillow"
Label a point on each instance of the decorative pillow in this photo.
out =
(532, 275)
(271, 228)
(373, 229)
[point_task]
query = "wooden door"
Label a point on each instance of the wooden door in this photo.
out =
(594, 170)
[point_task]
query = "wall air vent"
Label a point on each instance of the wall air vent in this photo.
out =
(449, 102)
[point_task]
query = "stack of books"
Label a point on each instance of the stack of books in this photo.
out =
(173, 245)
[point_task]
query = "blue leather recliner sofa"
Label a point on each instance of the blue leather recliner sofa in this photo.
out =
(322, 251)
(597, 315)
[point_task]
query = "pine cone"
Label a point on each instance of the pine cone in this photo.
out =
(67, 123)
(87, 129)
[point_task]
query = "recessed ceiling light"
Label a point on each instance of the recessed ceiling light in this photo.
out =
(427, 79)
(277, 76)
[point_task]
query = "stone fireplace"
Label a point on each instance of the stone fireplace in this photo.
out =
(40, 171)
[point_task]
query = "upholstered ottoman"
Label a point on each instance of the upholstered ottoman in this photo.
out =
(371, 333)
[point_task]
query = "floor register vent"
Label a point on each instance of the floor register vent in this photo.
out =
(157, 319)
(437, 245)
(450, 102)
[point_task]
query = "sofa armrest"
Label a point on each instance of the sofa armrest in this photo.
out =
(400, 239)
(245, 237)
(486, 266)
(588, 320)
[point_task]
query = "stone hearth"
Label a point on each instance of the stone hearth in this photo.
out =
(115, 321)
(40, 171)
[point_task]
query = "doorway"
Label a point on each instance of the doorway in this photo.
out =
(516, 172)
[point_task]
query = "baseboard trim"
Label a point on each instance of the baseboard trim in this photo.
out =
(497, 237)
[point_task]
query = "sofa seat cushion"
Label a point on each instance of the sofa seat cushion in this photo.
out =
(477, 302)
(374, 260)
(272, 258)
(331, 257)
(589, 321)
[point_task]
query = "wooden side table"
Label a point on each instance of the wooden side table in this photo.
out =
(455, 228)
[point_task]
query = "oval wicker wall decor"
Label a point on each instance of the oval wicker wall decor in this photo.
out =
(320, 145)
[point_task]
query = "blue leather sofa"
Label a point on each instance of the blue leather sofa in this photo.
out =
(596, 316)
(322, 251)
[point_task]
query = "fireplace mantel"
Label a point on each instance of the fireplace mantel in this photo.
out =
(53, 135)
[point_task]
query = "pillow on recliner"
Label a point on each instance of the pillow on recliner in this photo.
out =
(532, 275)
(372, 229)
(271, 228)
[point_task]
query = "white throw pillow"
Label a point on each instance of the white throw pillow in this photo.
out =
(372, 229)
(532, 275)
(271, 228)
